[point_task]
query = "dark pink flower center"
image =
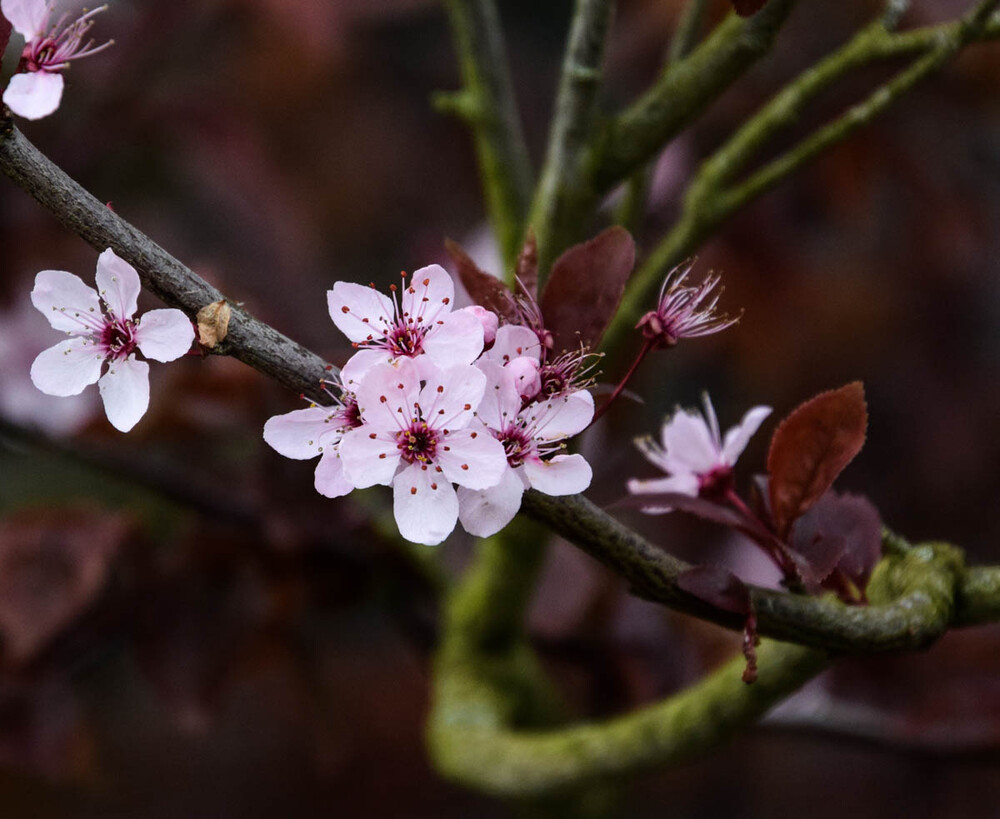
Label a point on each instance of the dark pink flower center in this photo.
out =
(517, 445)
(417, 443)
(716, 483)
(118, 339)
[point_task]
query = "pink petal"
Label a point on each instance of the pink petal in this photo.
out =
(683, 484)
(368, 461)
(118, 284)
(561, 475)
(524, 371)
(429, 296)
(300, 434)
(450, 397)
(68, 303)
(500, 403)
(425, 505)
(471, 458)
(688, 444)
(738, 437)
(359, 364)
(514, 341)
(125, 392)
(27, 17)
(164, 335)
(67, 368)
(484, 512)
(330, 480)
(487, 318)
(362, 303)
(34, 95)
(458, 339)
(562, 416)
(387, 394)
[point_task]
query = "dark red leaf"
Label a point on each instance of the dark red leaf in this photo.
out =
(745, 8)
(484, 289)
(702, 507)
(717, 586)
(811, 447)
(585, 288)
(527, 266)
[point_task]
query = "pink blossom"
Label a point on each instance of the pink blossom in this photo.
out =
(489, 320)
(306, 433)
(684, 311)
(517, 347)
(36, 90)
(696, 458)
(416, 435)
(102, 331)
(416, 323)
(533, 440)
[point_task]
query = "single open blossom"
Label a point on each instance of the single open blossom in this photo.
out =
(102, 330)
(684, 311)
(533, 441)
(416, 435)
(696, 458)
(36, 90)
(416, 323)
(305, 433)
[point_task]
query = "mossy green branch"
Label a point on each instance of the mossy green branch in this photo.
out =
(711, 198)
(488, 105)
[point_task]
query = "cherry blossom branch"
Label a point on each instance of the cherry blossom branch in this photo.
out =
(251, 341)
(563, 176)
(487, 105)
(711, 199)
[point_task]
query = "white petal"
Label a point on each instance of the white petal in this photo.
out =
(484, 512)
(368, 461)
(34, 95)
(301, 434)
(68, 303)
(500, 403)
(368, 311)
(561, 475)
(425, 505)
(562, 416)
(27, 16)
(330, 480)
(471, 458)
(164, 335)
(429, 296)
(458, 339)
(450, 397)
(688, 444)
(125, 391)
(514, 341)
(387, 393)
(67, 368)
(118, 284)
(738, 437)
(683, 484)
(360, 363)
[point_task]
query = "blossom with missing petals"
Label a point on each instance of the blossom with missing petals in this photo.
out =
(102, 331)
(697, 459)
(533, 441)
(684, 311)
(416, 435)
(417, 323)
(305, 433)
(36, 90)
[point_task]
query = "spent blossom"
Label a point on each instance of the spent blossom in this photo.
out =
(317, 430)
(697, 459)
(36, 90)
(417, 322)
(417, 434)
(102, 331)
(683, 311)
(533, 439)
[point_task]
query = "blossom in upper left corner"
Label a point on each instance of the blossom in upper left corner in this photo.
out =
(102, 330)
(36, 89)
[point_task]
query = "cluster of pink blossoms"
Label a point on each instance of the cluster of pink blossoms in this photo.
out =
(449, 407)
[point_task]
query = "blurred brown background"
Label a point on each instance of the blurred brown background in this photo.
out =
(189, 630)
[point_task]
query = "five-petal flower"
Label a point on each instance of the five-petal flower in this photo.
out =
(101, 331)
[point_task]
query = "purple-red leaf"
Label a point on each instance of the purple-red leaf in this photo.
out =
(527, 266)
(811, 447)
(585, 288)
(485, 290)
(717, 586)
(745, 8)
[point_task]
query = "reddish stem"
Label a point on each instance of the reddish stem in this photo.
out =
(646, 347)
